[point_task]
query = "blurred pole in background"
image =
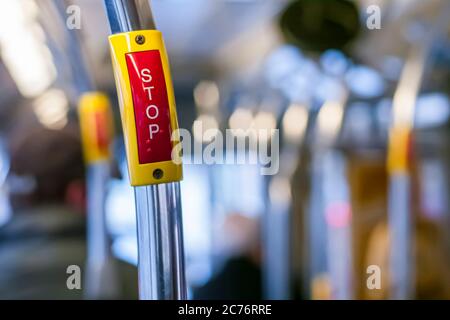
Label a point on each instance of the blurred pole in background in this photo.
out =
(5, 206)
(328, 218)
(319, 282)
(400, 215)
(276, 240)
(157, 187)
(96, 124)
(96, 133)
(99, 272)
(277, 222)
(338, 218)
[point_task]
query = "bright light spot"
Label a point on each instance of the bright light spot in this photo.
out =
(264, 120)
(51, 109)
(241, 119)
(334, 62)
(365, 82)
(403, 107)
(280, 191)
(264, 123)
(432, 110)
(207, 95)
(294, 123)
(24, 52)
(281, 63)
(330, 119)
(205, 128)
(243, 122)
(301, 82)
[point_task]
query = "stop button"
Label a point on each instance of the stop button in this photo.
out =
(151, 106)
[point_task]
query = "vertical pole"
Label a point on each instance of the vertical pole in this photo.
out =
(96, 126)
(100, 273)
(276, 241)
(400, 214)
(160, 245)
(400, 217)
(317, 231)
(100, 279)
(338, 220)
(158, 206)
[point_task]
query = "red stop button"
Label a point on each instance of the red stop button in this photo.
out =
(102, 130)
(151, 106)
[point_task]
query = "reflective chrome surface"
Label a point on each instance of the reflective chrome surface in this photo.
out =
(160, 242)
(158, 207)
(401, 250)
(129, 15)
(100, 276)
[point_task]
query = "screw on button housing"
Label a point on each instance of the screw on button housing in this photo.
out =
(158, 174)
(140, 39)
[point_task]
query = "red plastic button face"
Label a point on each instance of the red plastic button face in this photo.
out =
(151, 106)
(102, 132)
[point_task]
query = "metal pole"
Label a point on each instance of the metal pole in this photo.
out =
(400, 217)
(100, 276)
(96, 132)
(276, 271)
(160, 239)
(100, 281)
(158, 207)
(129, 15)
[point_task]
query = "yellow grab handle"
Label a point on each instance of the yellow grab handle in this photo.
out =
(147, 107)
(399, 150)
(96, 126)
